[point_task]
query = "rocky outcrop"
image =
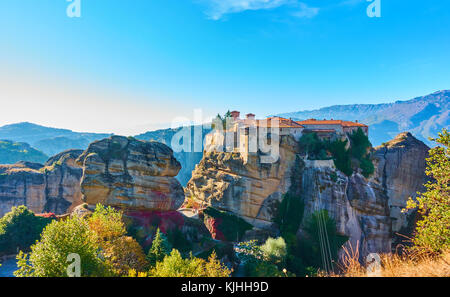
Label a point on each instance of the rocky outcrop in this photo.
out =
(367, 210)
(400, 167)
(52, 187)
(250, 190)
(358, 206)
(130, 174)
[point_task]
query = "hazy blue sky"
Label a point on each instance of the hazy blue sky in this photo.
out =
(129, 66)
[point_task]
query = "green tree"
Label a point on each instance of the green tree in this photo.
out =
(19, 229)
(48, 257)
(341, 156)
(433, 230)
(160, 248)
(290, 214)
(321, 243)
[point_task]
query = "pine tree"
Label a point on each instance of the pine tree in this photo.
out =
(160, 248)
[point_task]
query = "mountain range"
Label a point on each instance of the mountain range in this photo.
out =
(423, 116)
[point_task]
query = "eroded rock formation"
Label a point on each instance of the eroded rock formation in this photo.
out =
(250, 190)
(52, 187)
(367, 210)
(400, 169)
(130, 174)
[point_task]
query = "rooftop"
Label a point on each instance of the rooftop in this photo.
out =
(331, 122)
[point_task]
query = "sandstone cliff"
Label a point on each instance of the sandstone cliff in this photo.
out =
(251, 190)
(53, 187)
(130, 174)
(367, 210)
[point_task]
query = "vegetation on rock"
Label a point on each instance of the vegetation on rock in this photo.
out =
(433, 229)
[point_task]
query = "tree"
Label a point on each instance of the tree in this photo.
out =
(124, 254)
(175, 266)
(160, 248)
(107, 223)
(48, 257)
(120, 252)
(19, 229)
(321, 243)
(433, 230)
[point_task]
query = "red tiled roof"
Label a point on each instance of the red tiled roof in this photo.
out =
(331, 122)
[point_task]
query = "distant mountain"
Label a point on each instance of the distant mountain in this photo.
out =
(12, 152)
(422, 116)
(51, 141)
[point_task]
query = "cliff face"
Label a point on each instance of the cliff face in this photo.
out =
(131, 174)
(400, 169)
(250, 190)
(53, 187)
(365, 210)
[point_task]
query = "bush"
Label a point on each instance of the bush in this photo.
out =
(175, 266)
(274, 250)
(256, 262)
(19, 229)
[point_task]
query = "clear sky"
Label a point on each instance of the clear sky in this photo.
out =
(129, 66)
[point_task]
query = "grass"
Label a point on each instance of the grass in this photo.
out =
(407, 265)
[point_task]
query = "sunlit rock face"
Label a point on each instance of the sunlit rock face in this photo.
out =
(131, 174)
(251, 189)
(52, 187)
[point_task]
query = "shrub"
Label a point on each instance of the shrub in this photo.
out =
(19, 229)
(258, 263)
(175, 266)
(274, 250)
(433, 230)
